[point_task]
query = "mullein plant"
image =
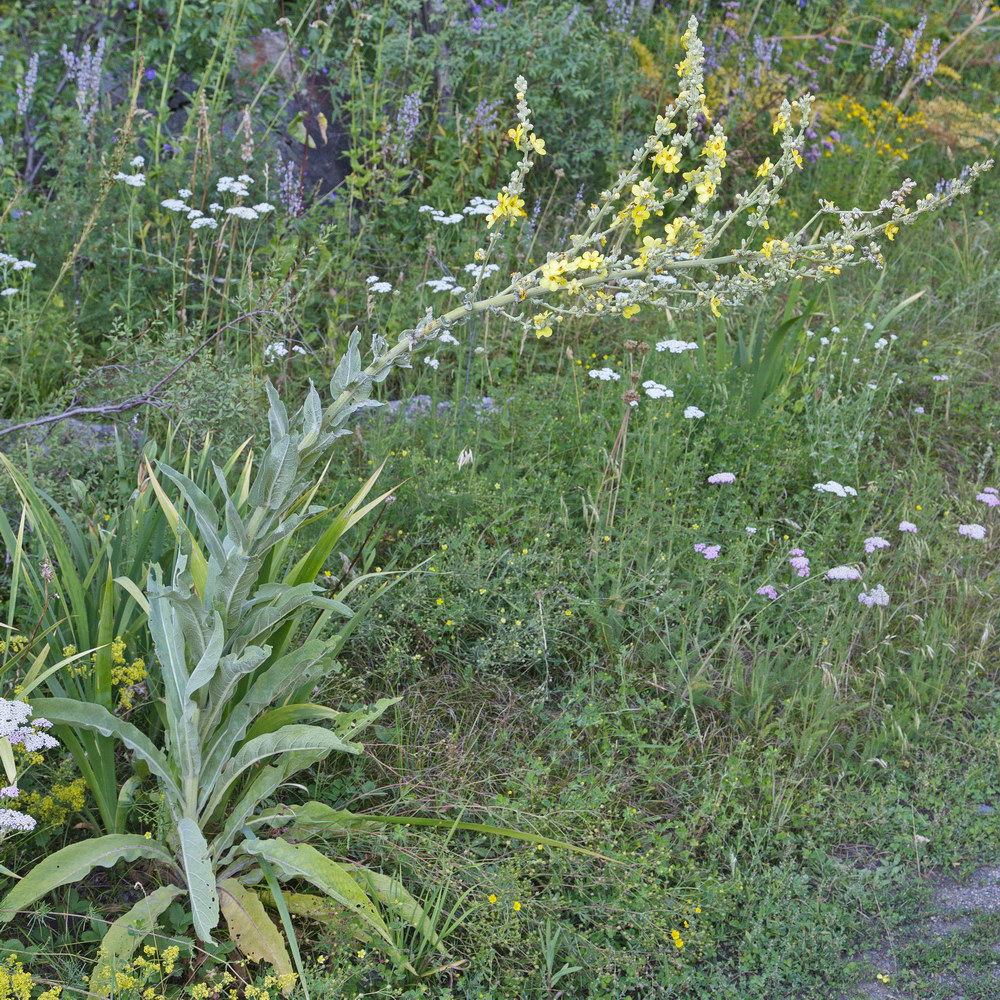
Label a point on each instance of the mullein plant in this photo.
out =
(228, 615)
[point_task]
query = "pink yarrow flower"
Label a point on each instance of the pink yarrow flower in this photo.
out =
(875, 542)
(719, 478)
(708, 551)
(768, 591)
(877, 596)
(843, 573)
(989, 497)
(908, 526)
(976, 531)
(799, 562)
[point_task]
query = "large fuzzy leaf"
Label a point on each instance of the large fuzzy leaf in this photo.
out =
(264, 784)
(251, 929)
(272, 686)
(303, 861)
(289, 739)
(199, 877)
(86, 715)
(394, 897)
(124, 936)
(74, 863)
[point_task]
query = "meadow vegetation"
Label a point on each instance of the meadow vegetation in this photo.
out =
(499, 500)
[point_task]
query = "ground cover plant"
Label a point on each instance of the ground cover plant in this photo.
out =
(647, 551)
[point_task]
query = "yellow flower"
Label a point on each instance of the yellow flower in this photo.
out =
(542, 327)
(629, 311)
(538, 145)
(516, 135)
(362, 953)
(890, 231)
(704, 189)
(507, 205)
(491, 898)
(668, 158)
(672, 229)
(779, 124)
(715, 303)
(797, 157)
(765, 168)
(517, 906)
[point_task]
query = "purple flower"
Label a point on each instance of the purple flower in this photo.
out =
(989, 497)
(940, 378)
(908, 526)
(150, 74)
(875, 542)
(708, 551)
(719, 478)
(843, 573)
(768, 591)
(976, 531)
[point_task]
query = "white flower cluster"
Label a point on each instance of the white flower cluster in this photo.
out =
(440, 217)
(832, 486)
(676, 346)
(18, 729)
(445, 284)
(604, 374)
(234, 185)
(480, 206)
(279, 350)
(375, 284)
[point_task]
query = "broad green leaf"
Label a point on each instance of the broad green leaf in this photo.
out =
(251, 929)
(346, 724)
(207, 666)
(305, 862)
(124, 936)
(290, 739)
(266, 781)
(74, 863)
(85, 715)
(391, 893)
(199, 877)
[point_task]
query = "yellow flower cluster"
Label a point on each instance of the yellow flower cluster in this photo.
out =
(55, 807)
(125, 675)
(508, 206)
(15, 981)
(16, 644)
(557, 273)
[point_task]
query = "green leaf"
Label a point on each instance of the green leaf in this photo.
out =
(289, 739)
(305, 862)
(251, 929)
(95, 718)
(319, 817)
(74, 863)
(126, 934)
(199, 877)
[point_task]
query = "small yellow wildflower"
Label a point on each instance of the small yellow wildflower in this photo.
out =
(630, 311)
(779, 124)
(491, 898)
(517, 906)
(890, 231)
(542, 326)
(765, 168)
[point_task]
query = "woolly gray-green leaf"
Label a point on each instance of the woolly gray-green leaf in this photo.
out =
(73, 863)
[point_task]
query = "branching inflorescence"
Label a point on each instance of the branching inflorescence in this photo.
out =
(660, 237)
